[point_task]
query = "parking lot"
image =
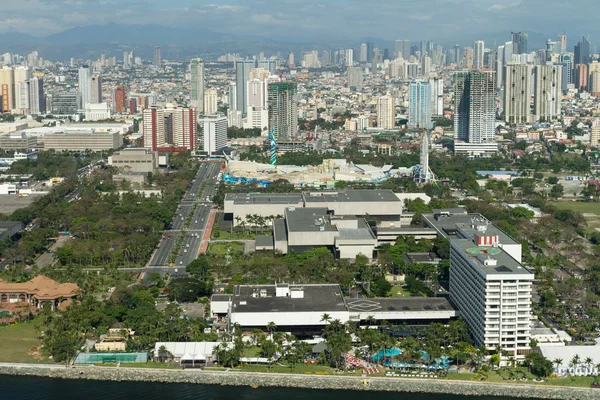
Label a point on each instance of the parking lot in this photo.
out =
(10, 203)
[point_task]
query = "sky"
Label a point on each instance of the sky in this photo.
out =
(313, 19)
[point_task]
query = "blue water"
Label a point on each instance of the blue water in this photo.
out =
(34, 388)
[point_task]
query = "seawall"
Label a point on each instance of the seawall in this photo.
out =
(234, 378)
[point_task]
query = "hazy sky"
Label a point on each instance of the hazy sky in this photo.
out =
(311, 19)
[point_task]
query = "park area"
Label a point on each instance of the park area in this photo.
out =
(589, 210)
(19, 343)
(224, 248)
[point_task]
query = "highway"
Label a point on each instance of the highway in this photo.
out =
(191, 226)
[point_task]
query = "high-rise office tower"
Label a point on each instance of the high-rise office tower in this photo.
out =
(419, 105)
(22, 94)
(386, 112)
(120, 97)
(370, 53)
(363, 53)
(197, 74)
(85, 86)
(467, 58)
(519, 40)
(517, 93)
(548, 91)
(595, 134)
(582, 51)
(594, 83)
(457, 55)
(210, 102)
(402, 49)
(242, 75)
(474, 106)
(232, 97)
(215, 133)
(157, 57)
(423, 49)
(269, 65)
(283, 109)
(412, 70)
(96, 89)
(7, 89)
(349, 57)
(478, 55)
(355, 78)
(37, 99)
(437, 96)
(581, 75)
(562, 40)
(425, 65)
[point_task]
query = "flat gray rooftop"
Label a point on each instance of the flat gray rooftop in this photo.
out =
(304, 220)
(357, 196)
(317, 298)
(407, 304)
(505, 264)
(449, 225)
(264, 241)
(279, 230)
(264, 198)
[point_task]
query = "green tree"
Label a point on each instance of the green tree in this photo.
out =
(557, 191)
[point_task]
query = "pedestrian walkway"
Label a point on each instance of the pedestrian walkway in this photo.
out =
(207, 231)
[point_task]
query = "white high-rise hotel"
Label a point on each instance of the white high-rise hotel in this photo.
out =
(488, 284)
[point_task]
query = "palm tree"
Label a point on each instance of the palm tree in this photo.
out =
(575, 362)
(588, 364)
(271, 327)
(325, 318)
(557, 362)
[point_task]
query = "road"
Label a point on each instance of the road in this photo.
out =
(198, 199)
(47, 259)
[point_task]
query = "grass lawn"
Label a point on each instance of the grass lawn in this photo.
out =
(251, 352)
(307, 369)
(578, 206)
(399, 291)
(497, 377)
(16, 342)
(226, 247)
(590, 210)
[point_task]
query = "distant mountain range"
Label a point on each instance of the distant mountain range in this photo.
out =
(88, 42)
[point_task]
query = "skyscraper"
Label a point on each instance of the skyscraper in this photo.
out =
(157, 57)
(170, 129)
(242, 75)
(386, 112)
(215, 133)
(478, 54)
(120, 97)
(437, 96)
(37, 99)
(349, 57)
(519, 40)
(197, 94)
(7, 89)
(419, 105)
(283, 109)
(517, 93)
(355, 78)
(548, 91)
(210, 102)
(96, 89)
(562, 40)
(363, 53)
(474, 106)
(457, 56)
(582, 51)
(269, 65)
(370, 52)
(85, 86)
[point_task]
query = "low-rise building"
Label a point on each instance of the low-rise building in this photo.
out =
(83, 140)
(17, 141)
(38, 292)
(301, 309)
(135, 160)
